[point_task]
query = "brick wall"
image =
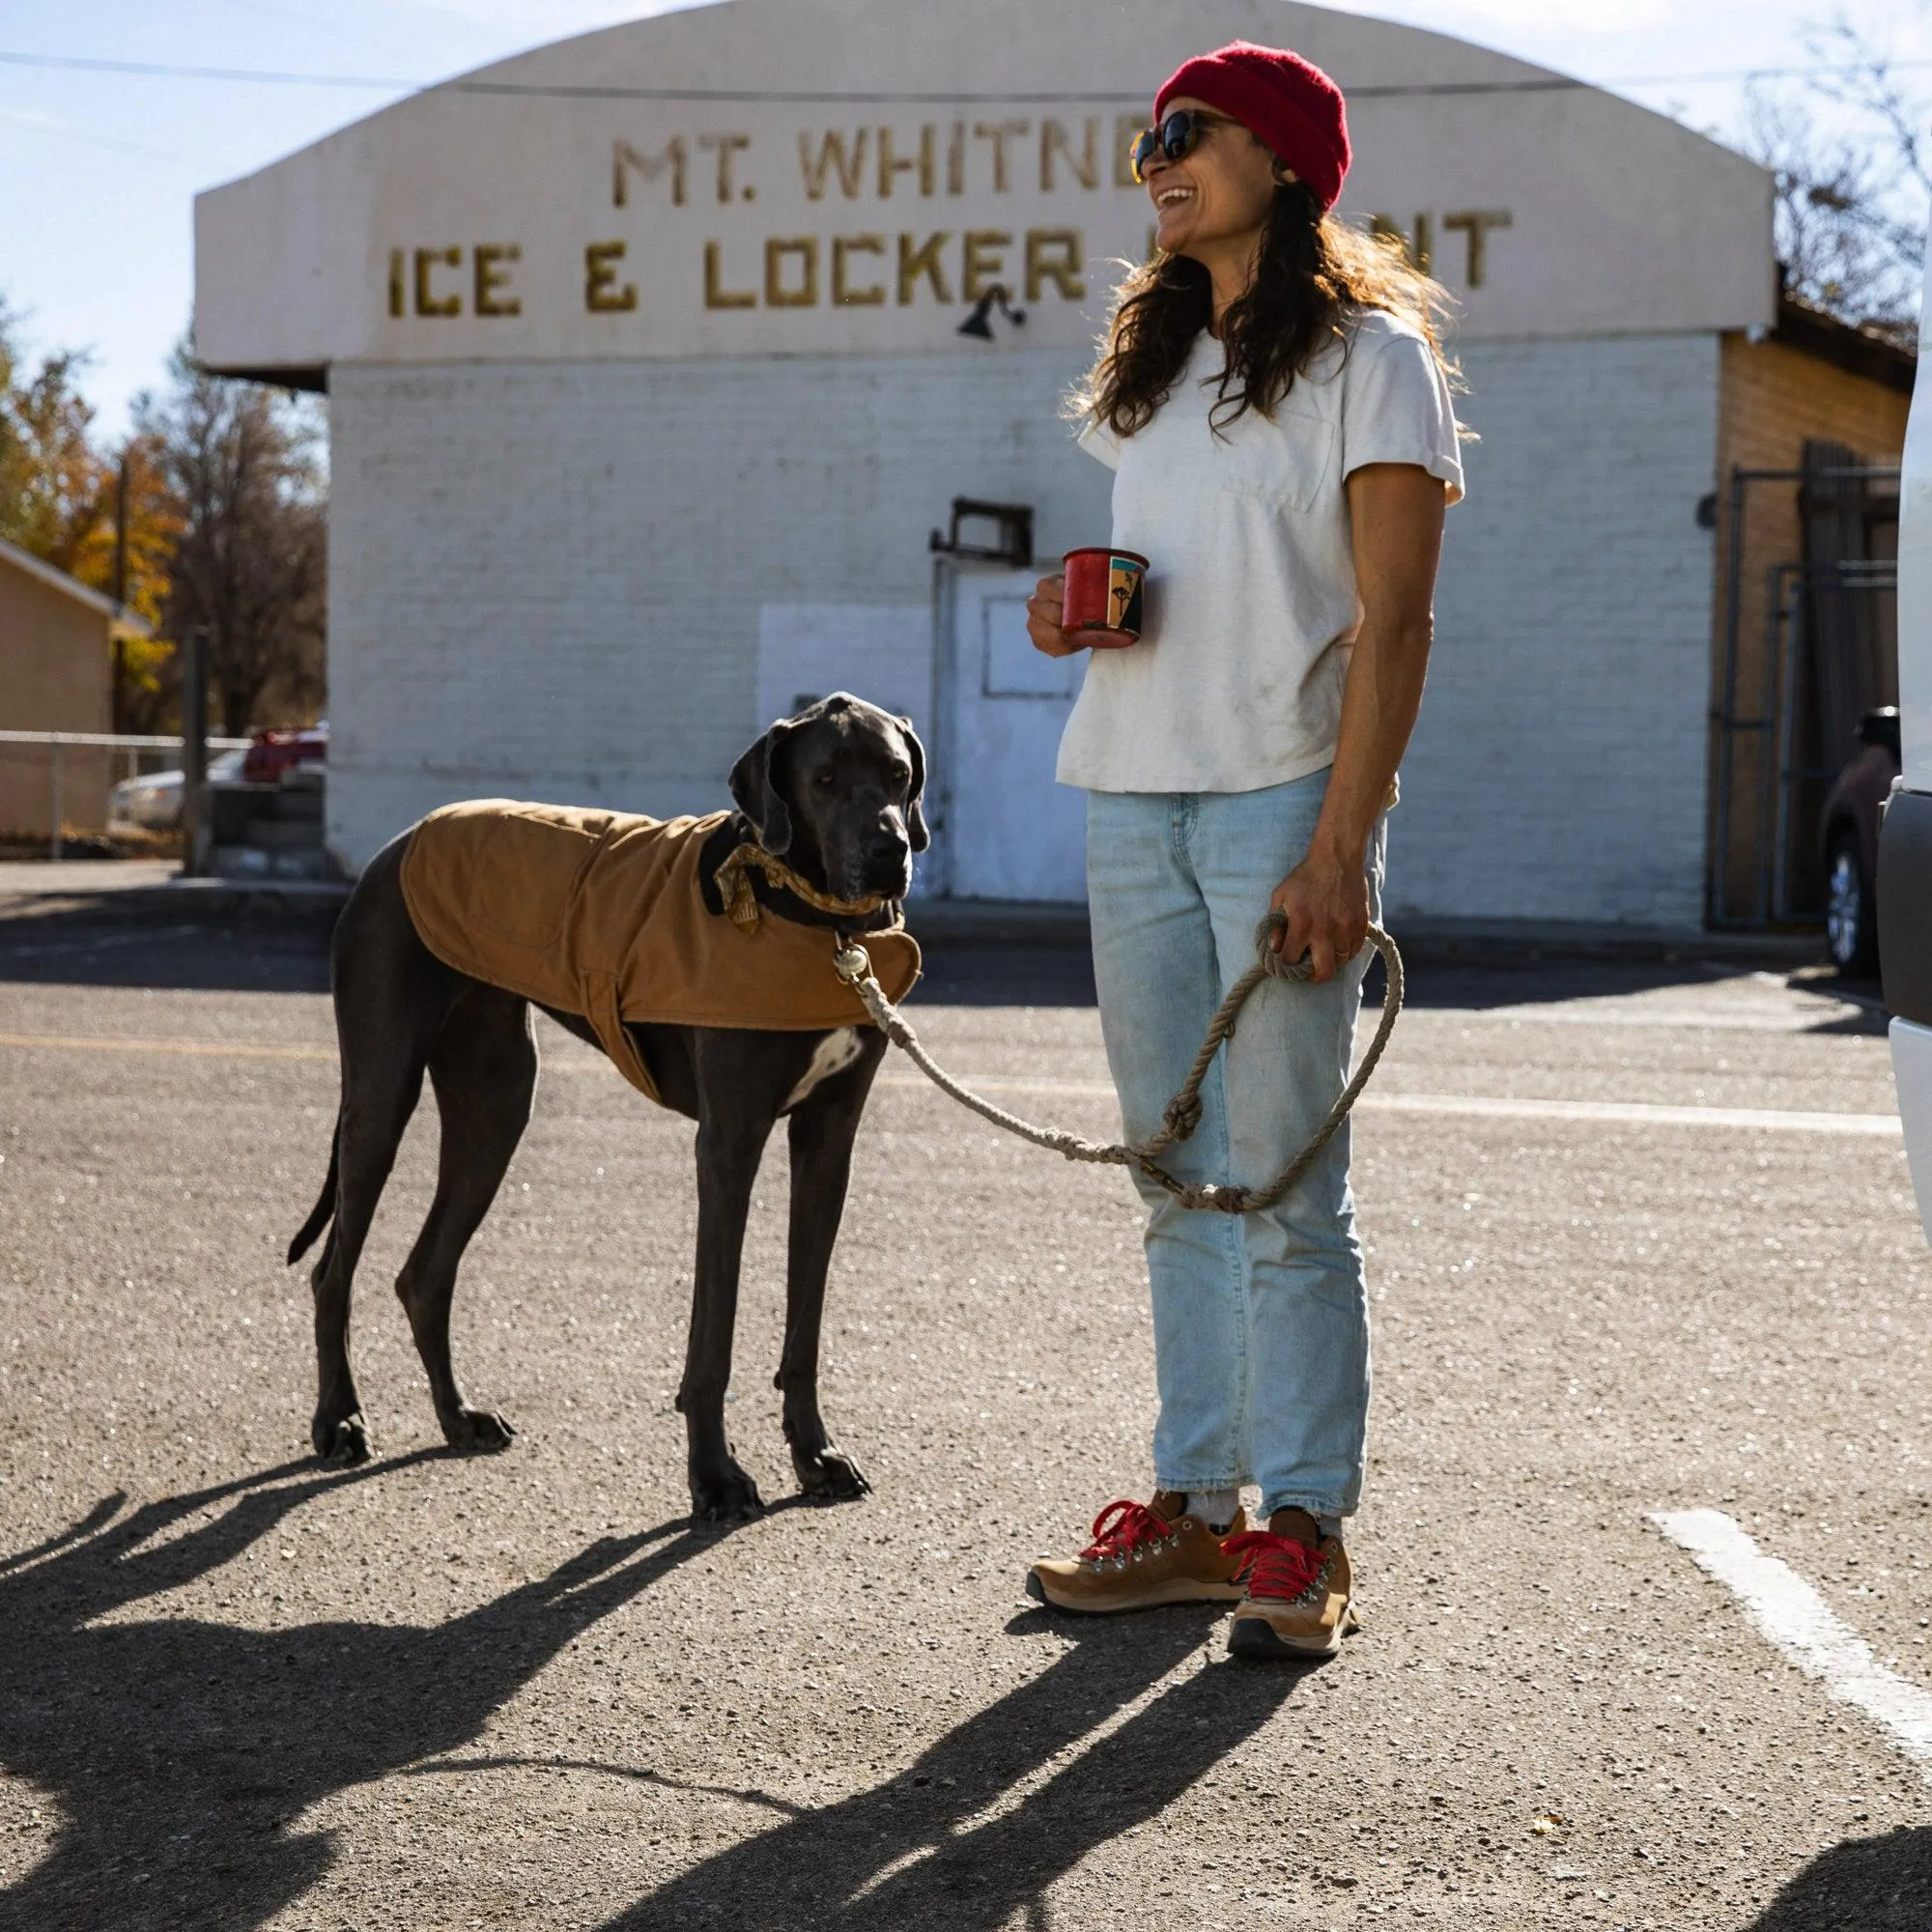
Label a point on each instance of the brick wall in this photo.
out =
(547, 580)
(1558, 769)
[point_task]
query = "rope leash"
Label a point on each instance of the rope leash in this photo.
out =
(1183, 1114)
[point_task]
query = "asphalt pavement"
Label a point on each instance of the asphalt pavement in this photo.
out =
(1620, 1268)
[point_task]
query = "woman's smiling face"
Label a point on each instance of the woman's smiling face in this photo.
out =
(1216, 196)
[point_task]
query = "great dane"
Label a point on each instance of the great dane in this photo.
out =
(836, 792)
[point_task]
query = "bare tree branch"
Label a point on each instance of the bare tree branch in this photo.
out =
(249, 563)
(1852, 157)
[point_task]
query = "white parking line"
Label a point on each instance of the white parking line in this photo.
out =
(1838, 1011)
(1639, 1113)
(207, 1049)
(1617, 1113)
(1798, 1620)
(1621, 1113)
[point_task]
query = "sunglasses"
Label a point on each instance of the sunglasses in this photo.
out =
(1178, 134)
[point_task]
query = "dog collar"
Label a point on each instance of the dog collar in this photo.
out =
(740, 902)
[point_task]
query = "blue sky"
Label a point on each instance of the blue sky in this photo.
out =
(99, 169)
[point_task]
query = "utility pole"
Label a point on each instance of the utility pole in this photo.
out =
(195, 828)
(117, 699)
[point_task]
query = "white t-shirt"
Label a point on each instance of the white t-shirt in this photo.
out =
(1251, 605)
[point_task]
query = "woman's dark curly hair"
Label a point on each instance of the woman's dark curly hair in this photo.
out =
(1314, 275)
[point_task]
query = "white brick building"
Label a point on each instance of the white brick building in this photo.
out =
(647, 391)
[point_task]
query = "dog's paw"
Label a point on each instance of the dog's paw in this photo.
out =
(830, 1475)
(726, 1497)
(341, 1444)
(477, 1432)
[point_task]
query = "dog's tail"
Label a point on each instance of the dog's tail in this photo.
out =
(324, 1210)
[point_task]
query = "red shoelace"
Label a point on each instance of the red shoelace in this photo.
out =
(1274, 1566)
(1122, 1527)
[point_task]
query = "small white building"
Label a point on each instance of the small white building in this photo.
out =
(648, 390)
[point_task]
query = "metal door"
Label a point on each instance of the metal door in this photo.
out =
(1007, 830)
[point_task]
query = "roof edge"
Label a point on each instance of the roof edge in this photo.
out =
(56, 578)
(310, 378)
(1859, 352)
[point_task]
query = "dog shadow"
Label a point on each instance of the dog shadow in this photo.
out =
(181, 1752)
(978, 1826)
(180, 1755)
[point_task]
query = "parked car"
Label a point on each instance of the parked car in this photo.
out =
(1848, 838)
(1905, 838)
(275, 753)
(152, 802)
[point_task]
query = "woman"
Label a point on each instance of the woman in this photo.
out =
(1276, 409)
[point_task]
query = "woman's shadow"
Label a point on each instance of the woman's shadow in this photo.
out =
(976, 1828)
(180, 1753)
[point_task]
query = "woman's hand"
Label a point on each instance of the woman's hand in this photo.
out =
(1325, 900)
(1044, 611)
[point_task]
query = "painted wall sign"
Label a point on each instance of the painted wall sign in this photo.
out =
(705, 184)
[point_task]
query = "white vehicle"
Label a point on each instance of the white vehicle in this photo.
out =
(1905, 841)
(154, 802)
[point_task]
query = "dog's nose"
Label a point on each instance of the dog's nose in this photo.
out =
(888, 839)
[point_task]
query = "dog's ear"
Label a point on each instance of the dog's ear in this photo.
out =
(758, 794)
(917, 835)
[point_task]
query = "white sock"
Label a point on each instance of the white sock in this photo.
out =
(1216, 1508)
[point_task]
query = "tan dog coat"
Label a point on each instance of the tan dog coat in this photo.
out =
(602, 914)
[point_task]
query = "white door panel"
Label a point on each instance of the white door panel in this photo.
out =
(1012, 833)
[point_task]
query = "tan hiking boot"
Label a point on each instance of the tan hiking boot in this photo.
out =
(1300, 1600)
(1143, 1554)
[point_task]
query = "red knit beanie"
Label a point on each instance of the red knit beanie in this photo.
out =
(1285, 101)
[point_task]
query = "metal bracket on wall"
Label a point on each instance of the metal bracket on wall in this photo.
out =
(1010, 541)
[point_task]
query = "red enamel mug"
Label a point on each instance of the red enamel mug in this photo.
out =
(1104, 595)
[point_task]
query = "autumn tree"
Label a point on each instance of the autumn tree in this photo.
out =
(51, 475)
(211, 514)
(128, 554)
(240, 467)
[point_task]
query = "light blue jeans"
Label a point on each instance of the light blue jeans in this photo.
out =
(1260, 1321)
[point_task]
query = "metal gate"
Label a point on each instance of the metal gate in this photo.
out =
(1790, 698)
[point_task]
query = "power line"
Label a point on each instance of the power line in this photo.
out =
(371, 83)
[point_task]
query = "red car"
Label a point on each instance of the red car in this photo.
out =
(275, 752)
(1848, 835)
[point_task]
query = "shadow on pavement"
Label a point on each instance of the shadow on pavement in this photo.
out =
(1476, 988)
(180, 1754)
(261, 953)
(86, 947)
(180, 1751)
(983, 975)
(266, 950)
(1875, 1885)
(979, 1824)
